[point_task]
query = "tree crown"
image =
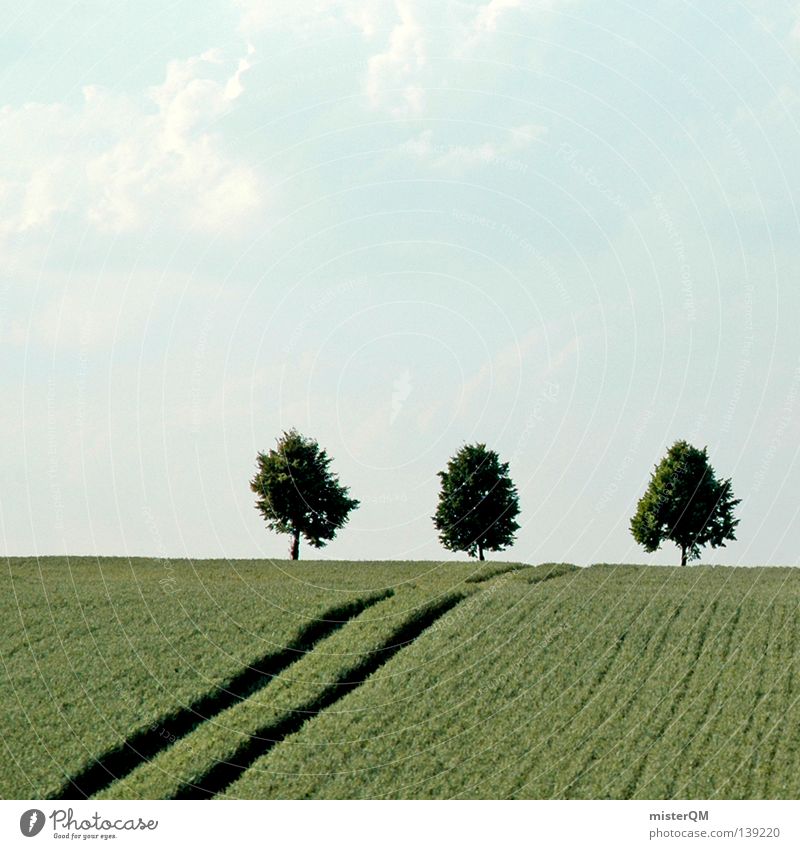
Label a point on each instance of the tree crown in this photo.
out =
(685, 503)
(296, 491)
(478, 502)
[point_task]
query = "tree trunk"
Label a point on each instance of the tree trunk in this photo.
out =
(480, 552)
(295, 547)
(683, 555)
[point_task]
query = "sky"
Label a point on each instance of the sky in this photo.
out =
(565, 229)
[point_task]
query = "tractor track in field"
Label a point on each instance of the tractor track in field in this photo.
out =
(678, 693)
(658, 641)
(706, 729)
(587, 693)
(777, 730)
(744, 729)
(224, 773)
(163, 732)
(608, 659)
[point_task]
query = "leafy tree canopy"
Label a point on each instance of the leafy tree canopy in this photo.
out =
(478, 503)
(298, 494)
(686, 504)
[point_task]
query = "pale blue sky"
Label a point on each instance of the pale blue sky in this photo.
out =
(566, 229)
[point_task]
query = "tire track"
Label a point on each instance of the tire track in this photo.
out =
(162, 733)
(679, 693)
(584, 694)
(592, 759)
(224, 773)
(757, 668)
(778, 729)
(708, 704)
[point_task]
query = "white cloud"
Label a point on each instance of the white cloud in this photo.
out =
(391, 74)
(392, 80)
(234, 86)
(488, 15)
(368, 16)
(781, 20)
(82, 311)
(119, 161)
(489, 18)
(258, 16)
(404, 32)
(461, 157)
(76, 320)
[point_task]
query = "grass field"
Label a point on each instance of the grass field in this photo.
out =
(249, 679)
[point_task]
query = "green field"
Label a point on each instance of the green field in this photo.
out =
(271, 679)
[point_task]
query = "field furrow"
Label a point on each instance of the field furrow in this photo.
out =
(712, 756)
(218, 751)
(678, 675)
(166, 730)
(697, 712)
(779, 747)
(423, 680)
(598, 743)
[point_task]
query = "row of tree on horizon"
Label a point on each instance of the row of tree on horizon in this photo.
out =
(299, 495)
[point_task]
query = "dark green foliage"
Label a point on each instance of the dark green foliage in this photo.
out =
(478, 503)
(685, 503)
(297, 493)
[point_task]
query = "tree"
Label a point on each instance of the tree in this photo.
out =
(478, 503)
(685, 503)
(297, 494)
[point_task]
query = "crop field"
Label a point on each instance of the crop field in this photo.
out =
(269, 679)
